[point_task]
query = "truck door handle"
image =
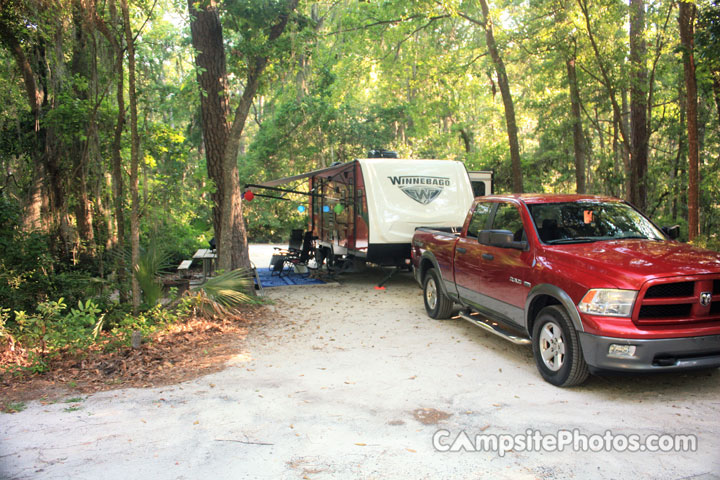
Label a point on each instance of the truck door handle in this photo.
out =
(461, 250)
(487, 256)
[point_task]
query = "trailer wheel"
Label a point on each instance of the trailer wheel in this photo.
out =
(319, 256)
(556, 348)
(437, 305)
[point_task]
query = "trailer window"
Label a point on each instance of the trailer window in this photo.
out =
(478, 187)
(479, 219)
(359, 203)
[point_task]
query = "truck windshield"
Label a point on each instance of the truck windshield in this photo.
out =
(588, 221)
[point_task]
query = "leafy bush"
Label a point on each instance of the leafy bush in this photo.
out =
(710, 242)
(48, 332)
(29, 271)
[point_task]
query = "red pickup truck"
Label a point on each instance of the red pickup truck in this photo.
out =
(588, 281)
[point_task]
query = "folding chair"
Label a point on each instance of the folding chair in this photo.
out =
(300, 258)
(281, 256)
(298, 253)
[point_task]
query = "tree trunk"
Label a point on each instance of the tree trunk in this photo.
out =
(676, 179)
(134, 157)
(32, 209)
(578, 136)
(117, 174)
(638, 106)
(118, 188)
(607, 82)
(207, 39)
(625, 151)
(79, 151)
(510, 122)
(467, 137)
(233, 235)
(686, 19)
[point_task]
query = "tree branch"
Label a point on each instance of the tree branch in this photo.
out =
(603, 70)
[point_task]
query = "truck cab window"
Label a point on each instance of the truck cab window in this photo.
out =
(479, 219)
(507, 217)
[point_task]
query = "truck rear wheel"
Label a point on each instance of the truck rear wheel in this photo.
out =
(556, 348)
(437, 305)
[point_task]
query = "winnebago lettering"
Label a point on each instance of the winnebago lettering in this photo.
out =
(438, 181)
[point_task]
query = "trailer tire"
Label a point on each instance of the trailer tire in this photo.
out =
(319, 256)
(437, 304)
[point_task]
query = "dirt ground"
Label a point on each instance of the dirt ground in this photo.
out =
(184, 351)
(346, 381)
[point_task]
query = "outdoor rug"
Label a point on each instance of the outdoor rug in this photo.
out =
(288, 278)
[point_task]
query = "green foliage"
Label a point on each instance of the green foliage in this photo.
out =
(345, 77)
(219, 295)
(710, 242)
(53, 331)
(153, 260)
(5, 334)
(29, 271)
(270, 221)
(49, 331)
(12, 407)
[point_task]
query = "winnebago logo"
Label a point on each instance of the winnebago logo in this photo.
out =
(421, 189)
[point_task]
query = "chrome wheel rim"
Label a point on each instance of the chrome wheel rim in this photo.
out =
(431, 294)
(552, 346)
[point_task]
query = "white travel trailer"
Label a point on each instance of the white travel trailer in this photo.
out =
(368, 209)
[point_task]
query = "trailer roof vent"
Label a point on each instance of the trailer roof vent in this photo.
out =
(382, 153)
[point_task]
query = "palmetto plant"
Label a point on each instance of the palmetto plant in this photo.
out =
(154, 260)
(223, 293)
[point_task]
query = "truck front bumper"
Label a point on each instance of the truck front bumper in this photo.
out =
(652, 355)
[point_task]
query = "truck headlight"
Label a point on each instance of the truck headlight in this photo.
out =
(609, 302)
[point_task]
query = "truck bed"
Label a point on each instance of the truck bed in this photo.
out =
(455, 231)
(441, 242)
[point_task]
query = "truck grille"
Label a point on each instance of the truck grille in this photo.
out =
(665, 311)
(677, 301)
(664, 290)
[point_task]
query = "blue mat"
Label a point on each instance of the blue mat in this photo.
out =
(288, 278)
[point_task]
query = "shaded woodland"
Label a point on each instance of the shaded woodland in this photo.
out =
(129, 127)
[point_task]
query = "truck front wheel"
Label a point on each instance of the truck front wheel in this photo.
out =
(437, 305)
(556, 348)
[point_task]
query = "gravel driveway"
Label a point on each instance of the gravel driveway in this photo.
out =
(352, 382)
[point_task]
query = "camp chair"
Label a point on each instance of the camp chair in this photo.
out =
(297, 254)
(290, 255)
(305, 253)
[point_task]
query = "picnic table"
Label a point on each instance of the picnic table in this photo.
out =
(208, 257)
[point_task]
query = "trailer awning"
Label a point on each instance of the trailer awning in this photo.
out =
(274, 185)
(283, 181)
(286, 180)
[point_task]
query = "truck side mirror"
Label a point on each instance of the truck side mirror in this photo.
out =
(500, 239)
(672, 232)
